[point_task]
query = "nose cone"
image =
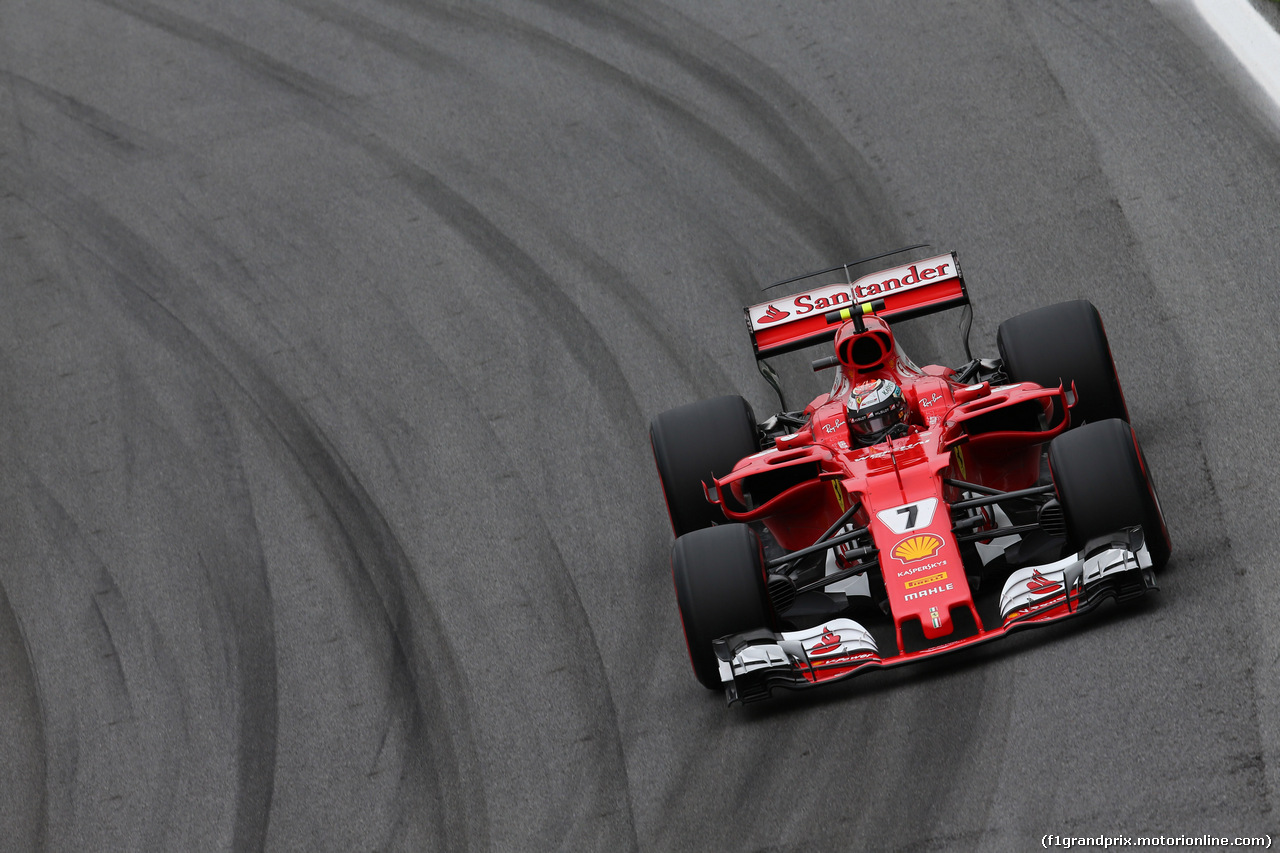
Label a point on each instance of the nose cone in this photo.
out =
(920, 560)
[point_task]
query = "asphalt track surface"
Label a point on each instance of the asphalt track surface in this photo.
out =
(330, 332)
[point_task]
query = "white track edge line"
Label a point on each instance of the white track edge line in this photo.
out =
(1247, 35)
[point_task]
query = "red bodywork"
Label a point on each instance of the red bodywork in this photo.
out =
(977, 434)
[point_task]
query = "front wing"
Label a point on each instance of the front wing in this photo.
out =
(752, 664)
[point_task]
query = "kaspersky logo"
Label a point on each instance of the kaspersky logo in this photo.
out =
(773, 315)
(922, 546)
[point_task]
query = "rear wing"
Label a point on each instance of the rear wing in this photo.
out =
(912, 290)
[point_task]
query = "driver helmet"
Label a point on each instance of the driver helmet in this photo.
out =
(874, 409)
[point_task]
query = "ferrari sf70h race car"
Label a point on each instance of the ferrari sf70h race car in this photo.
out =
(873, 527)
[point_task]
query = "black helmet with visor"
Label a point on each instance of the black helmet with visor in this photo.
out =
(873, 410)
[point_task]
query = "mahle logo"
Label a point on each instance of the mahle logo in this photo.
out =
(918, 547)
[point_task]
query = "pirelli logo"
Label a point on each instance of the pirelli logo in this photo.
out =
(940, 576)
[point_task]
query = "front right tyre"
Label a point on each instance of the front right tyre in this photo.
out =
(720, 587)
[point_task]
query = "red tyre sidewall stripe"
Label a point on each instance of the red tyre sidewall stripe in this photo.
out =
(1151, 489)
(1124, 404)
(680, 610)
(663, 484)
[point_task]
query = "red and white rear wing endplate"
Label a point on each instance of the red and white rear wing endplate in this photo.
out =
(799, 320)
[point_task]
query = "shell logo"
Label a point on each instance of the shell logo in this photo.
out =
(918, 547)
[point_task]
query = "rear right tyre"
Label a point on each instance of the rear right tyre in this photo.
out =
(693, 445)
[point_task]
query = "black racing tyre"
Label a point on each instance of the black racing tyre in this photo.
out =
(1103, 484)
(693, 444)
(1065, 343)
(720, 587)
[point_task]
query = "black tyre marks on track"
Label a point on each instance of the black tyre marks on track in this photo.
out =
(25, 806)
(327, 110)
(230, 554)
(831, 194)
(147, 293)
(456, 788)
(151, 292)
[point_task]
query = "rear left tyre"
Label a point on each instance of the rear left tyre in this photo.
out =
(720, 588)
(1065, 343)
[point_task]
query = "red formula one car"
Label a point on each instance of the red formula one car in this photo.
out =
(910, 511)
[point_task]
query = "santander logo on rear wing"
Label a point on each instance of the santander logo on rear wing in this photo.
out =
(911, 290)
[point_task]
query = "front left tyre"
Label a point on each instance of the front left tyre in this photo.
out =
(720, 587)
(694, 444)
(1104, 485)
